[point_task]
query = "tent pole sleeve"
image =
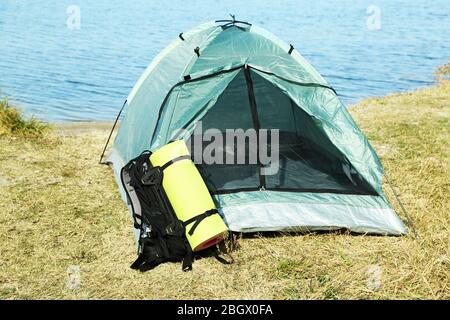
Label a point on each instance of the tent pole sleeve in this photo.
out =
(110, 134)
(255, 118)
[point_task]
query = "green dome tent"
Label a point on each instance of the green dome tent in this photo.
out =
(230, 74)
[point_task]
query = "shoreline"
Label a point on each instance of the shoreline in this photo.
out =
(83, 126)
(107, 124)
(102, 124)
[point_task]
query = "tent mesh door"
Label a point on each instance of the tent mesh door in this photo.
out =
(308, 161)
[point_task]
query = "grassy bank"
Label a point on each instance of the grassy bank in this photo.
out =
(60, 208)
(13, 123)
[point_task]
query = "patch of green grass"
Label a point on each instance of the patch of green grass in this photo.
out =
(13, 122)
(287, 268)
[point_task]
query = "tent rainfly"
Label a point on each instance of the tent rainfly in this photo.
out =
(230, 75)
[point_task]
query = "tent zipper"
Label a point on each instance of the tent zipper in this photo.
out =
(256, 124)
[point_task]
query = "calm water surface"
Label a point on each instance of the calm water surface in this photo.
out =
(83, 74)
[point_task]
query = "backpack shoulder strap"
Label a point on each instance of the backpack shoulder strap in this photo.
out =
(132, 198)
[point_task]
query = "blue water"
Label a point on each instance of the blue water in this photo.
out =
(85, 74)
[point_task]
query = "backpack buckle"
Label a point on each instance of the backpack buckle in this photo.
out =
(148, 232)
(174, 229)
(152, 177)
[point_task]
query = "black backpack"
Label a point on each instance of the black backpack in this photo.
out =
(162, 235)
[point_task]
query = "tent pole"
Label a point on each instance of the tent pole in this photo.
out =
(401, 206)
(110, 134)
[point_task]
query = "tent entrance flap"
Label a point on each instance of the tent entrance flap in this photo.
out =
(308, 160)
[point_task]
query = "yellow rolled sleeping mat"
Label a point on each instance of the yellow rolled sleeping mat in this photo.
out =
(189, 196)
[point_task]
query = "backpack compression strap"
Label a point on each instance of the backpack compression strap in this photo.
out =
(197, 219)
(169, 163)
(154, 176)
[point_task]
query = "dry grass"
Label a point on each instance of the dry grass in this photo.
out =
(60, 208)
